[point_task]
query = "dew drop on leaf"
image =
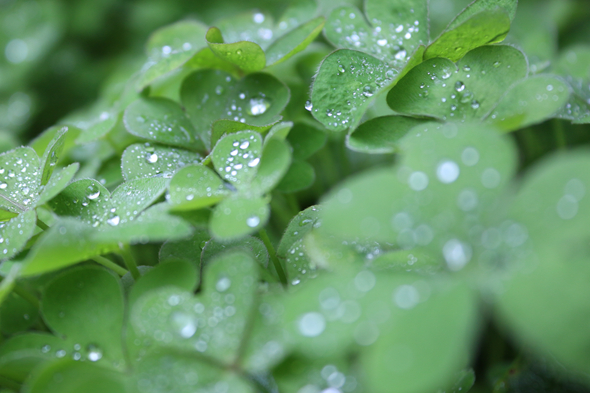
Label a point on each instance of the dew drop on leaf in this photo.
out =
(94, 353)
(258, 106)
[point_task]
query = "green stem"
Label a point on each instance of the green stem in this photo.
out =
(559, 133)
(22, 292)
(41, 224)
(273, 256)
(293, 203)
(110, 265)
(129, 261)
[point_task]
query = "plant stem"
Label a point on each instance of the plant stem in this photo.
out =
(29, 297)
(129, 261)
(559, 133)
(293, 203)
(41, 224)
(109, 264)
(273, 256)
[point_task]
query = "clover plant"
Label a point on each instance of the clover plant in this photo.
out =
(310, 199)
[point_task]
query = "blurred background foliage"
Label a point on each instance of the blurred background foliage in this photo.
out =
(58, 55)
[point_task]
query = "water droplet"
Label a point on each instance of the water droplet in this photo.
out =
(447, 172)
(418, 181)
(474, 104)
(341, 68)
(382, 42)
(152, 158)
(258, 18)
(456, 254)
(497, 64)
(253, 221)
(223, 284)
(114, 221)
(94, 195)
(308, 105)
(258, 106)
(368, 91)
(406, 297)
(254, 162)
(239, 52)
(459, 86)
(312, 324)
(470, 156)
(94, 353)
(218, 90)
(183, 323)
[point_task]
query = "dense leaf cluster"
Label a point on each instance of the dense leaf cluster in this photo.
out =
(252, 210)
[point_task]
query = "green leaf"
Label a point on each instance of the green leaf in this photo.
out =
(482, 28)
(67, 242)
(17, 315)
(132, 197)
(508, 6)
(300, 176)
(468, 90)
(344, 85)
(169, 47)
(250, 245)
(180, 274)
(41, 142)
(392, 29)
(236, 217)
(163, 121)
(274, 163)
(550, 213)
(155, 224)
(58, 181)
(573, 67)
(210, 95)
(236, 157)
(224, 127)
(381, 135)
(20, 354)
(85, 199)
(193, 322)
(292, 251)
(187, 249)
(305, 140)
(15, 233)
(85, 305)
(532, 100)
(278, 131)
(146, 160)
(195, 187)
(247, 55)
(465, 167)
(20, 179)
(410, 336)
(294, 41)
(51, 155)
(180, 372)
(75, 377)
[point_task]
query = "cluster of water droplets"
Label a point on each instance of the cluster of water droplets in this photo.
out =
(329, 379)
(147, 160)
(90, 352)
(299, 265)
(19, 180)
(243, 158)
(391, 42)
(369, 77)
(579, 106)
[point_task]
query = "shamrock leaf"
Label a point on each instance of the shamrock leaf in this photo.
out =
(465, 167)
(391, 31)
(252, 41)
(553, 207)
(482, 22)
(235, 217)
(146, 160)
(163, 121)
(466, 90)
(213, 323)
(169, 48)
(15, 233)
(89, 291)
(381, 134)
(292, 250)
(385, 316)
(573, 66)
(210, 95)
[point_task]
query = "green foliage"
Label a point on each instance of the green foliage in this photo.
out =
(251, 207)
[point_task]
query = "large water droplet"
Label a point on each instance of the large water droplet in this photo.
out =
(94, 195)
(253, 221)
(459, 86)
(312, 324)
(94, 353)
(258, 106)
(308, 105)
(114, 221)
(447, 172)
(183, 323)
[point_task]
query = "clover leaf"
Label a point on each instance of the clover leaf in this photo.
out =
(210, 95)
(169, 48)
(573, 66)
(252, 41)
(146, 160)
